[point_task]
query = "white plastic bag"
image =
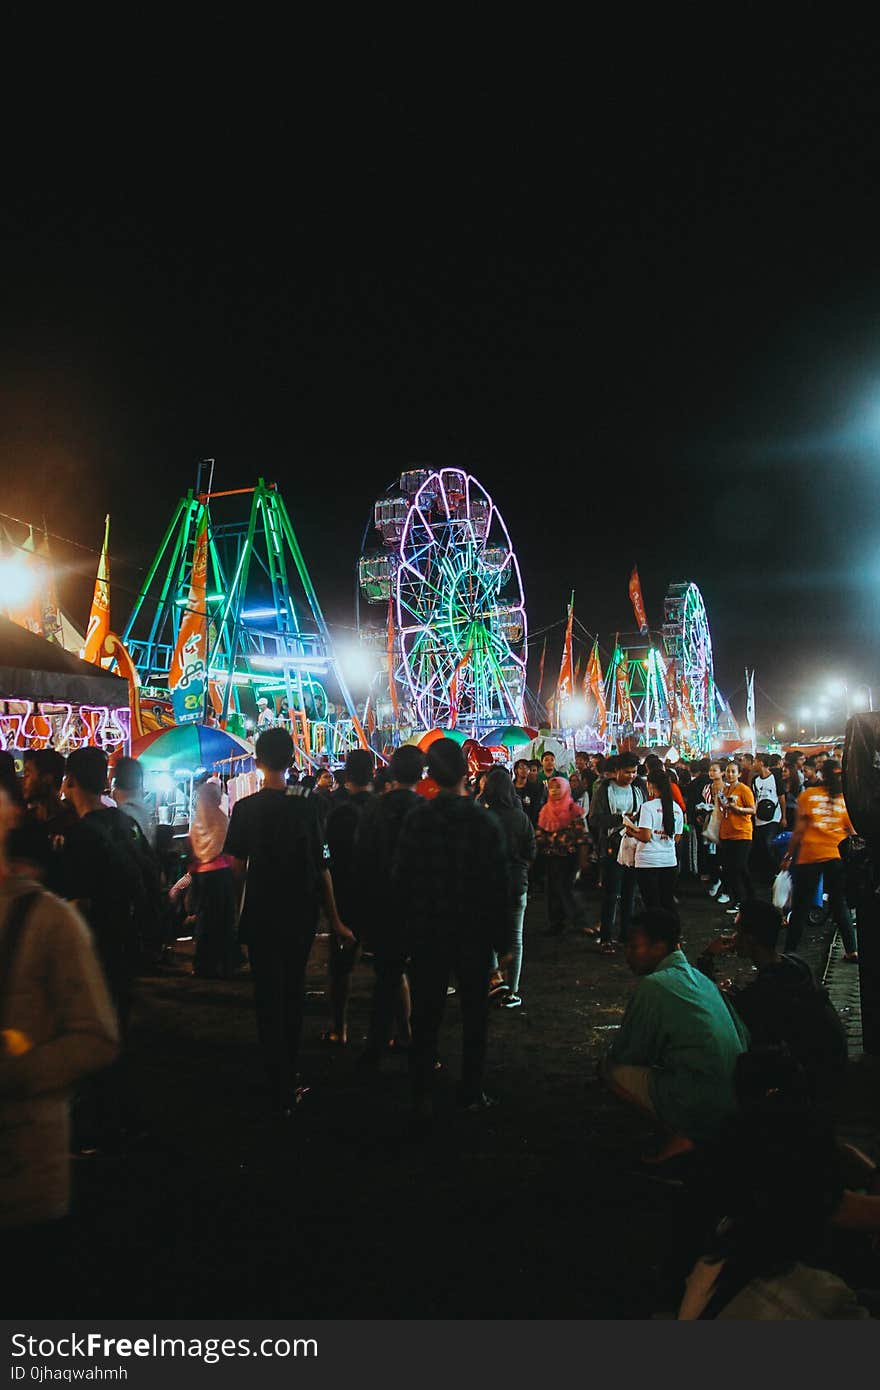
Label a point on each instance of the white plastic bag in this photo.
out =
(782, 890)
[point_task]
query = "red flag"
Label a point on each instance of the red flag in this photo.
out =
(392, 686)
(635, 593)
(99, 618)
(671, 691)
(593, 686)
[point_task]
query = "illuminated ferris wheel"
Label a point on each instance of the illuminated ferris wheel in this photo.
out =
(690, 675)
(458, 608)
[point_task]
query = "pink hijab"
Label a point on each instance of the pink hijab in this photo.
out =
(562, 810)
(208, 831)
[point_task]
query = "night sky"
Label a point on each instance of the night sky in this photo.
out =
(646, 315)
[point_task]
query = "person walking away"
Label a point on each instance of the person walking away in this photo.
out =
(562, 840)
(737, 807)
(822, 823)
(660, 826)
(42, 780)
(342, 825)
(275, 843)
(380, 921)
(57, 1026)
(101, 874)
(128, 793)
(500, 800)
(217, 954)
(451, 888)
(615, 795)
(770, 819)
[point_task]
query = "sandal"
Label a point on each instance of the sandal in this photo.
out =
(591, 931)
(333, 1039)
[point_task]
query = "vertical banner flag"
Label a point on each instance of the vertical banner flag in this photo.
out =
(565, 684)
(99, 617)
(392, 687)
(750, 707)
(593, 687)
(622, 700)
(635, 594)
(188, 676)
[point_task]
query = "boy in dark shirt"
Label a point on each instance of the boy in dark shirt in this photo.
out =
(277, 850)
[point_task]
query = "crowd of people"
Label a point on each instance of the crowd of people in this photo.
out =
(422, 872)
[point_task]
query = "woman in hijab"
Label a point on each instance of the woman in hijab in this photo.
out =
(562, 839)
(211, 870)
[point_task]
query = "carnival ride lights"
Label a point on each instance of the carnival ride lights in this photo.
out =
(265, 631)
(691, 678)
(456, 638)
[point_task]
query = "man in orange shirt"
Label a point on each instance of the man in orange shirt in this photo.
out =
(737, 806)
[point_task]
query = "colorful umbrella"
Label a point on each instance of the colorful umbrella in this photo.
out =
(510, 736)
(188, 746)
(434, 734)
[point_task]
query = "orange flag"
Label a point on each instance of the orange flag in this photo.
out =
(593, 686)
(99, 618)
(188, 676)
(624, 704)
(392, 686)
(635, 593)
(565, 684)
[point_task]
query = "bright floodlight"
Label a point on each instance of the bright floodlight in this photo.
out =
(576, 711)
(357, 665)
(16, 581)
(837, 686)
(780, 728)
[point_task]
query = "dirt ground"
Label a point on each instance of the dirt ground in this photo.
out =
(529, 1211)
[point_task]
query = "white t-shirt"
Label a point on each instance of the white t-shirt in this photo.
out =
(659, 852)
(764, 789)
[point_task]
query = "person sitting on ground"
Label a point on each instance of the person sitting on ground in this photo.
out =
(782, 1004)
(777, 1184)
(675, 1054)
(342, 824)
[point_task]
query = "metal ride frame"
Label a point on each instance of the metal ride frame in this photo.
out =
(277, 646)
(647, 695)
(688, 644)
(458, 648)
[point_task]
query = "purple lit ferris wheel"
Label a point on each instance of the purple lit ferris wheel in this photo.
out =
(457, 625)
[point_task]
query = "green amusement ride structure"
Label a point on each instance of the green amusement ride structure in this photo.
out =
(267, 635)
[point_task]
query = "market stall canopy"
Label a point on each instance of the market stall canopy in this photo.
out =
(189, 746)
(33, 669)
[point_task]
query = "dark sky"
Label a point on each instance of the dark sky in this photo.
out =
(643, 309)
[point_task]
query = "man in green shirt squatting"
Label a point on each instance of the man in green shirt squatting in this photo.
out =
(676, 1051)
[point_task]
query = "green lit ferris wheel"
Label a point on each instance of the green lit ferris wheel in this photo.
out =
(457, 617)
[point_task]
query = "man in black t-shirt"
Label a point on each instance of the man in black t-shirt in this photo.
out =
(275, 842)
